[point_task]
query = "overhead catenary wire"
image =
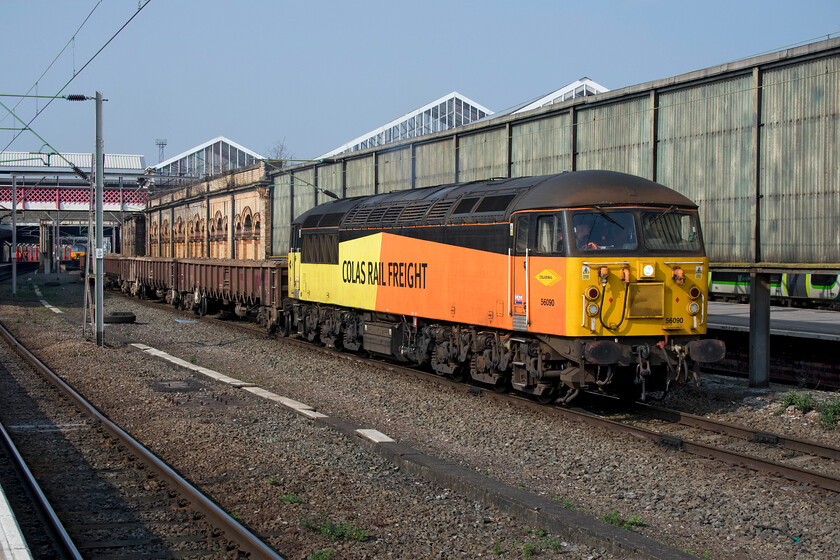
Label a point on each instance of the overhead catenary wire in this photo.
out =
(91, 59)
(75, 169)
(44, 73)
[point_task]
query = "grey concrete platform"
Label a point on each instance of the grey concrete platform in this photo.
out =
(784, 321)
(12, 544)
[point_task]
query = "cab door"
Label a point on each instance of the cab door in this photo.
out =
(294, 262)
(520, 254)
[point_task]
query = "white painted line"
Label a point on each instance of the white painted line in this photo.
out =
(237, 383)
(291, 403)
(46, 304)
(285, 401)
(310, 413)
(260, 392)
(375, 436)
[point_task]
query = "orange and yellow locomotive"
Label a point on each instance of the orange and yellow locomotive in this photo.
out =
(547, 284)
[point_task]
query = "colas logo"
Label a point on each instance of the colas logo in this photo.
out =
(548, 277)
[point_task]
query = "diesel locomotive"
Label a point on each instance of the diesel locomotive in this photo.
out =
(547, 285)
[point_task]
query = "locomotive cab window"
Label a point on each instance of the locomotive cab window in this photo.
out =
(521, 234)
(549, 235)
(671, 230)
(540, 234)
(604, 230)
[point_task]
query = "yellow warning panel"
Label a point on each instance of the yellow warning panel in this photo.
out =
(548, 277)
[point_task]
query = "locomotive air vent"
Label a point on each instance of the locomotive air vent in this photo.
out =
(440, 210)
(359, 217)
(376, 214)
(415, 212)
(393, 213)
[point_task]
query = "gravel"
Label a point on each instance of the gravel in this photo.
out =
(260, 461)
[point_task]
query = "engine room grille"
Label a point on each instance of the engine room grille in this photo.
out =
(646, 301)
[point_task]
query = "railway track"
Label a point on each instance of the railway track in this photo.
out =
(112, 496)
(804, 461)
(22, 268)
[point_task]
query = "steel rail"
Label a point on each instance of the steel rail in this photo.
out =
(742, 432)
(732, 457)
(247, 541)
(797, 474)
(52, 524)
(826, 482)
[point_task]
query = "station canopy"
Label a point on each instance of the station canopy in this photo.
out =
(453, 111)
(210, 158)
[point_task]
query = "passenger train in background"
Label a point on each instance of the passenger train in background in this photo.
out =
(820, 291)
(547, 285)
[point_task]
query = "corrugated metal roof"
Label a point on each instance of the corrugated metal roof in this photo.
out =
(28, 160)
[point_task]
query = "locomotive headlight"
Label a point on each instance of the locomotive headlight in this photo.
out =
(648, 270)
(592, 293)
(694, 292)
(693, 308)
(592, 309)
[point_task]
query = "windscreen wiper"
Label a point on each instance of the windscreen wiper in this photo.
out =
(607, 216)
(663, 214)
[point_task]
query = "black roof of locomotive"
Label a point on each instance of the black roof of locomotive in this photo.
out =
(436, 205)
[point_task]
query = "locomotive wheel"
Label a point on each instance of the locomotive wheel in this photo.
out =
(460, 374)
(502, 386)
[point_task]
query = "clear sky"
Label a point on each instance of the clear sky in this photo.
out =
(316, 74)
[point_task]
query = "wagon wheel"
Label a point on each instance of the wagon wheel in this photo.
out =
(203, 306)
(547, 397)
(284, 325)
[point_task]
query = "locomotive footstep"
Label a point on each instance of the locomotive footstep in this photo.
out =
(119, 317)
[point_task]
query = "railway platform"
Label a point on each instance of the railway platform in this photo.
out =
(784, 321)
(12, 544)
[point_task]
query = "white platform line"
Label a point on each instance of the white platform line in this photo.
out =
(291, 404)
(375, 436)
(299, 407)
